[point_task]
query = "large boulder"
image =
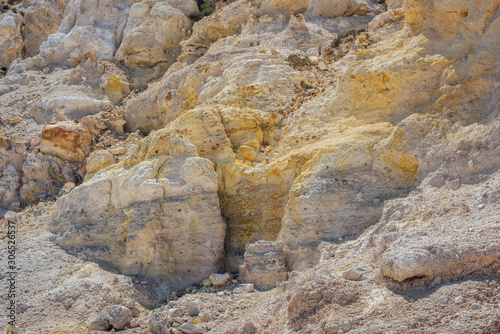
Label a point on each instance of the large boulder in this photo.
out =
(149, 214)
(66, 140)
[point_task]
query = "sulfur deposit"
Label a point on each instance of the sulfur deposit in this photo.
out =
(251, 166)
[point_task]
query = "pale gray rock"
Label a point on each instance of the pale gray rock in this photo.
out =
(149, 214)
(188, 328)
(69, 107)
(158, 324)
(120, 316)
(44, 176)
(356, 273)
(219, 279)
(453, 255)
(193, 308)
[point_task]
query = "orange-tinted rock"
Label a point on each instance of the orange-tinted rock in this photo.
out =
(67, 140)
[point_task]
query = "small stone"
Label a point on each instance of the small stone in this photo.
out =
(188, 328)
(248, 287)
(219, 279)
(459, 299)
(157, 324)
(207, 316)
(475, 307)
(135, 312)
(135, 323)
(480, 206)
(120, 316)
(176, 312)
(206, 282)
(118, 150)
(234, 281)
(249, 328)
(101, 323)
(68, 186)
(144, 283)
(322, 66)
(443, 299)
(193, 308)
(356, 273)
(14, 121)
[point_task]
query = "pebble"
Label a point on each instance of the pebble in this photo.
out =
(475, 307)
(15, 121)
(118, 150)
(193, 308)
(459, 299)
(188, 328)
(144, 283)
(135, 323)
(248, 287)
(322, 66)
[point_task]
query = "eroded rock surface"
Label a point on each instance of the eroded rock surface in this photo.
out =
(264, 264)
(66, 140)
(149, 214)
(360, 145)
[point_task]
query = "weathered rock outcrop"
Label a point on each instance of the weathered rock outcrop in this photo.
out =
(149, 214)
(145, 36)
(41, 19)
(264, 264)
(27, 176)
(11, 41)
(152, 35)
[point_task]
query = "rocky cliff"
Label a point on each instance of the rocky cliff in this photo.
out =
(349, 146)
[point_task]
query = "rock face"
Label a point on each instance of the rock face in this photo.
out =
(152, 36)
(27, 176)
(149, 214)
(266, 136)
(42, 18)
(264, 264)
(67, 140)
(11, 41)
(145, 36)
